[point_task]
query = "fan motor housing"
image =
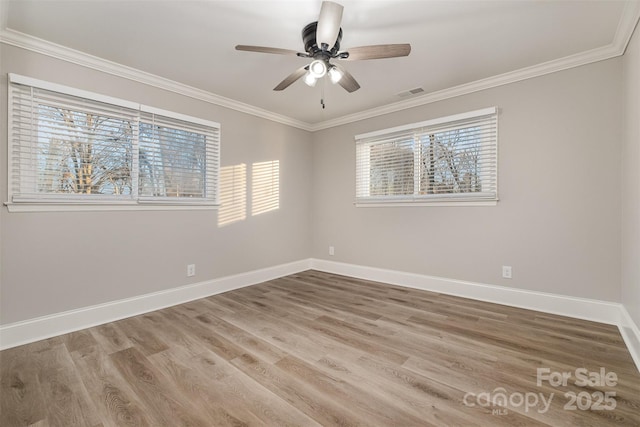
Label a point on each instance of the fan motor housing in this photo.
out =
(310, 44)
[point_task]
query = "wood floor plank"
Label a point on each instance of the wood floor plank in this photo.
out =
(143, 338)
(115, 401)
(505, 340)
(322, 408)
(158, 394)
(234, 398)
(21, 401)
(248, 341)
(361, 401)
(432, 410)
(317, 348)
(211, 340)
(284, 334)
(68, 402)
(217, 405)
(110, 337)
(79, 340)
(165, 323)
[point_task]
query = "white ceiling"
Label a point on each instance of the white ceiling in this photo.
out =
(453, 43)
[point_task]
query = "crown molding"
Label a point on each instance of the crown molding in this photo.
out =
(628, 21)
(583, 58)
(626, 25)
(624, 31)
(44, 47)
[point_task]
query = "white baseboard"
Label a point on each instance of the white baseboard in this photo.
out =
(31, 330)
(631, 335)
(15, 334)
(580, 308)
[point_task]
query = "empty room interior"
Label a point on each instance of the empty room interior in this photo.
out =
(376, 213)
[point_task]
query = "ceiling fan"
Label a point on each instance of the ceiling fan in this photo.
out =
(322, 44)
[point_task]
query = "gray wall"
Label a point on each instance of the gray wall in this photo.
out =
(57, 261)
(631, 181)
(557, 223)
(558, 219)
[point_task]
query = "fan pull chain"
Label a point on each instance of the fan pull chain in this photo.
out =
(322, 94)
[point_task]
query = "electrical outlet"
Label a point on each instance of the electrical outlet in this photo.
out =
(506, 271)
(332, 251)
(191, 270)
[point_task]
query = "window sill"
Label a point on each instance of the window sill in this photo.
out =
(80, 207)
(414, 203)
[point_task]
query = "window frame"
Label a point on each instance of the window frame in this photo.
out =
(414, 130)
(101, 202)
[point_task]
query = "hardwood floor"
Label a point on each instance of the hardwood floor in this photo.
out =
(320, 349)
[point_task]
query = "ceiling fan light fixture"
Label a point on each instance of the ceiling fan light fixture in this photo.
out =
(322, 40)
(317, 69)
(310, 80)
(335, 75)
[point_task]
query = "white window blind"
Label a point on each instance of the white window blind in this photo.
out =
(72, 146)
(451, 159)
(174, 159)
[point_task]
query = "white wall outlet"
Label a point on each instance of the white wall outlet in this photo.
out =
(506, 271)
(332, 251)
(191, 270)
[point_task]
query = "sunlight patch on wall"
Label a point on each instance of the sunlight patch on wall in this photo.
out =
(265, 187)
(233, 194)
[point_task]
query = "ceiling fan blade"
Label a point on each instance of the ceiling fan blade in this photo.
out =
(263, 49)
(291, 78)
(378, 51)
(347, 81)
(328, 24)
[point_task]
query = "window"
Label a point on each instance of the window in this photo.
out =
(448, 160)
(72, 148)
